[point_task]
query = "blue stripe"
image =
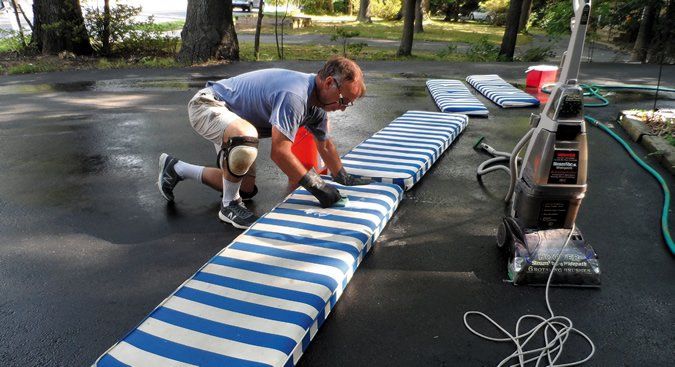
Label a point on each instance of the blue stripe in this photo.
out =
(184, 353)
(370, 153)
(430, 125)
(313, 227)
(313, 203)
(281, 343)
(402, 139)
(381, 202)
(387, 148)
(244, 307)
(380, 169)
(327, 282)
(334, 217)
(305, 241)
(416, 132)
(376, 161)
(292, 255)
(408, 146)
(368, 189)
(266, 290)
(109, 361)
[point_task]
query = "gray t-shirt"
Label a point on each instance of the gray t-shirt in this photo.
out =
(273, 97)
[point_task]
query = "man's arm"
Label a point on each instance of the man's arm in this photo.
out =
(329, 155)
(284, 157)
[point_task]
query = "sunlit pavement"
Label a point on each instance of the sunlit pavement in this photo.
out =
(88, 247)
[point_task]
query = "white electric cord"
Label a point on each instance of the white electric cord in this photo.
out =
(556, 330)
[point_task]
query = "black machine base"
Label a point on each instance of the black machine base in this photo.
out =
(532, 254)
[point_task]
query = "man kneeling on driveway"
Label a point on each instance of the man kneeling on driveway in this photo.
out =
(234, 113)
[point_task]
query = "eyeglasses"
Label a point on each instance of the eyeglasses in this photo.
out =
(341, 99)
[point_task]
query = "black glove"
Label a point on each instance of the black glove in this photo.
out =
(327, 194)
(344, 178)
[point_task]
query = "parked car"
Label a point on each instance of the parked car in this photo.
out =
(245, 5)
(482, 15)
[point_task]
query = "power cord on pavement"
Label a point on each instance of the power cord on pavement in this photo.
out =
(556, 330)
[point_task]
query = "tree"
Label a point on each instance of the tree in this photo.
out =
(105, 35)
(405, 49)
(208, 32)
(364, 12)
(511, 33)
(524, 15)
(419, 16)
(644, 37)
(59, 26)
(258, 25)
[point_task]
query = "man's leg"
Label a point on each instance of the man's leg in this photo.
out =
(239, 151)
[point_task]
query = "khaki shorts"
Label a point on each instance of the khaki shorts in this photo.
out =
(210, 117)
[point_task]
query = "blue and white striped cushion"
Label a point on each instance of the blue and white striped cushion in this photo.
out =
(261, 300)
(454, 96)
(500, 92)
(404, 150)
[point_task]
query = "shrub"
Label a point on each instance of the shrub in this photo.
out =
(536, 54)
(128, 36)
(386, 9)
(443, 53)
(482, 50)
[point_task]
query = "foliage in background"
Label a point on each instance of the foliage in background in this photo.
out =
(499, 7)
(128, 36)
(482, 51)
(10, 41)
(385, 9)
(536, 54)
(555, 18)
(342, 36)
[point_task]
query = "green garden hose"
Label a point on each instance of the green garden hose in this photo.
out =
(593, 91)
(664, 186)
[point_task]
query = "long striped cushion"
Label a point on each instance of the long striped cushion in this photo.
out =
(404, 150)
(453, 96)
(500, 92)
(261, 300)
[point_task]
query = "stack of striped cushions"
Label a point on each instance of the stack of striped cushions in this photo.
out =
(453, 96)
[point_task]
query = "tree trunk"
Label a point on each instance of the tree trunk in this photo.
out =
(644, 37)
(663, 43)
(330, 7)
(511, 32)
(405, 49)
(208, 32)
(524, 15)
(419, 17)
(349, 5)
(258, 25)
(105, 36)
(364, 12)
(59, 26)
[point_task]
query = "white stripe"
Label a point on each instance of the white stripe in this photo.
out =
(211, 343)
(379, 144)
(318, 290)
(321, 222)
(366, 151)
(374, 219)
(372, 173)
(354, 197)
(317, 235)
(300, 248)
(133, 356)
(386, 159)
(233, 318)
(258, 299)
(319, 269)
(393, 165)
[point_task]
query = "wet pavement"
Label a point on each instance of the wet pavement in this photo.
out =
(88, 247)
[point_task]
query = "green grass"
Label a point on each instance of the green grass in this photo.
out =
(34, 67)
(175, 25)
(268, 52)
(434, 30)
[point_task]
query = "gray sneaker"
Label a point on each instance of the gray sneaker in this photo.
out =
(168, 178)
(237, 215)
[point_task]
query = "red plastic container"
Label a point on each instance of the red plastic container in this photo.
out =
(304, 148)
(539, 75)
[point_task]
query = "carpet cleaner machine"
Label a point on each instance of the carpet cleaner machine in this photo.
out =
(545, 194)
